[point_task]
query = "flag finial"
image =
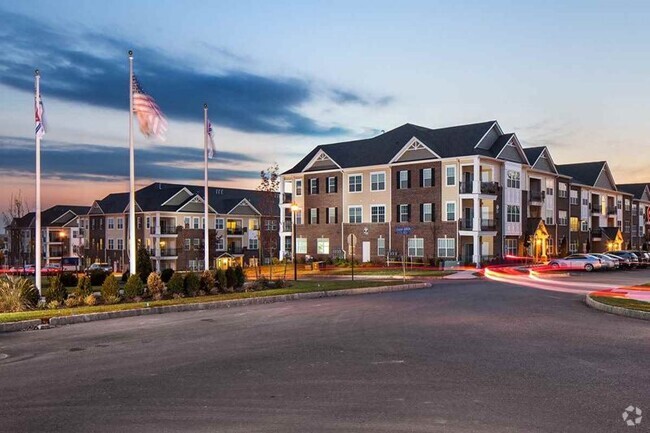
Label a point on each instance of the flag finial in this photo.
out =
(37, 72)
(205, 105)
(131, 53)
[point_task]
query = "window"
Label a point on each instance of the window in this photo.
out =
(561, 190)
(451, 211)
(322, 246)
(187, 222)
(111, 244)
(313, 186)
(549, 245)
(147, 222)
(627, 204)
(562, 217)
(378, 181)
(313, 215)
(354, 182)
(191, 265)
(219, 243)
(585, 201)
(513, 179)
(331, 185)
(197, 243)
(120, 223)
(450, 172)
(252, 244)
(403, 179)
(110, 223)
(299, 217)
(196, 223)
(120, 244)
(218, 224)
(404, 212)
(301, 245)
(332, 215)
(298, 187)
(270, 225)
(446, 247)
(139, 224)
(426, 212)
(575, 224)
(549, 217)
(426, 177)
(584, 225)
(573, 246)
(513, 214)
(416, 247)
(354, 214)
(378, 213)
(574, 197)
(619, 204)
(188, 244)
(253, 224)
(549, 191)
(510, 247)
(381, 247)
(627, 226)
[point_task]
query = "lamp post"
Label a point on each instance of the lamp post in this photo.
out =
(294, 208)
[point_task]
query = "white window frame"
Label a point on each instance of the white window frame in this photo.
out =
(252, 244)
(372, 183)
(187, 222)
(120, 223)
(404, 177)
(322, 245)
(403, 207)
(219, 224)
(372, 213)
(110, 223)
(110, 244)
(513, 179)
(313, 185)
(119, 243)
(298, 187)
(562, 190)
(508, 248)
(447, 203)
(301, 245)
(444, 248)
(447, 177)
(381, 246)
(360, 184)
(513, 213)
(196, 223)
(355, 207)
(331, 215)
(429, 177)
(220, 243)
(330, 186)
(313, 215)
(426, 212)
(415, 247)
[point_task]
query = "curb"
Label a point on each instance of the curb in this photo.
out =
(635, 314)
(92, 317)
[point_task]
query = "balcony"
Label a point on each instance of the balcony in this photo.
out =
(465, 187)
(612, 210)
(287, 198)
(489, 188)
(167, 230)
(488, 224)
(537, 196)
(235, 250)
(55, 238)
(235, 231)
(465, 224)
(597, 233)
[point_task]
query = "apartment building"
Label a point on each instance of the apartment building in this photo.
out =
(640, 239)
(466, 193)
(170, 225)
(61, 235)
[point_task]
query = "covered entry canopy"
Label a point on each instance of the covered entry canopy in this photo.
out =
(538, 239)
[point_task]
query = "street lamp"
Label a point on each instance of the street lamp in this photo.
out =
(294, 208)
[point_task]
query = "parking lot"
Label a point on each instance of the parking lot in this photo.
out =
(623, 277)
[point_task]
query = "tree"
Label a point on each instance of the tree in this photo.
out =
(268, 239)
(143, 264)
(17, 209)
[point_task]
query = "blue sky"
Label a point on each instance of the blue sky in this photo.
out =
(281, 77)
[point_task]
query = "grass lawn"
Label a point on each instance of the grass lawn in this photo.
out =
(295, 287)
(387, 272)
(631, 304)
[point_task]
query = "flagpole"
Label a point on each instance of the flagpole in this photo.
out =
(206, 248)
(132, 251)
(38, 233)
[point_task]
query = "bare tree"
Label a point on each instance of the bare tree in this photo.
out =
(18, 208)
(269, 186)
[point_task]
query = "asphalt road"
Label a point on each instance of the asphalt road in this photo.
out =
(457, 357)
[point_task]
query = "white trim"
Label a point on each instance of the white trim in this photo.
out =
(295, 188)
(488, 131)
(196, 199)
(190, 194)
(455, 176)
(62, 215)
(95, 204)
(517, 146)
(348, 183)
(377, 172)
(348, 215)
(320, 156)
(126, 209)
(609, 175)
(385, 213)
(455, 211)
(245, 201)
(413, 144)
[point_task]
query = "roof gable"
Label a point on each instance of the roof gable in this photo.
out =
(414, 150)
(585, 173)
(511, 150)
(195, 205)
(179, 198)
(605, 179)
(244, 207)
(321, 161)
(543, 160)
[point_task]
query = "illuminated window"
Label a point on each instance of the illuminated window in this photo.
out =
(322, 246)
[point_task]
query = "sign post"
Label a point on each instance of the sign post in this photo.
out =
(404, 231)
(352, 238)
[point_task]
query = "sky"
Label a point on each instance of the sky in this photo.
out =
(282, 77)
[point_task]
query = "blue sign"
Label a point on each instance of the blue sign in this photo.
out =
(403, 230)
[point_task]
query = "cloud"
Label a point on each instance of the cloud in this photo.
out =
(92, 68)
(84, 162)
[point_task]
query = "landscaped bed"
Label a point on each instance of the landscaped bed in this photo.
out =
(631, 304)
(293, 287)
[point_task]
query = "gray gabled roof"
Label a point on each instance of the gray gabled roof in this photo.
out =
(532, 153)
(636, 189)
(50, 216)
(445, 142)
(585, 173)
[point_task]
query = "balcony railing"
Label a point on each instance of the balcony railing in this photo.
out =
(612, 210)
(236, 250)
(537, 195)
(596, 208)
(164, 252)
(164, 230)
(287, 198)
(235, 231)
(465, 187)
(489, 187)
(466, 224)
(488, 224)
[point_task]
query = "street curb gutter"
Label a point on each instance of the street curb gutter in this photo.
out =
(83, 318)
(635, 314)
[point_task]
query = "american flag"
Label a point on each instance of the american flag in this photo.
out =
(212, 149)
(151, 119)
(39, 117)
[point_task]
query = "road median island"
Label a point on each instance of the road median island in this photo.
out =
(301, 290)
(620, 306)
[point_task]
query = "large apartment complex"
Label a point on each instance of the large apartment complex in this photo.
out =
(466, 193)
(170, 225)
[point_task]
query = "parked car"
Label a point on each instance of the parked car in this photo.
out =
(577, 262)
(104, 267)
(622, 262)
(51, 269)
(633, 259)
(644, 258)
(16, 270)
(70, 264)
(609, 263)
(29, 270)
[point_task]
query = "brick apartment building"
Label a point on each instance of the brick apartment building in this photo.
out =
(466, 193)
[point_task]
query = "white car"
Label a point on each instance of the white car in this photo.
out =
(577, 262)
(608, 263)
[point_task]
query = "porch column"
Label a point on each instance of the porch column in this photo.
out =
(477, 214)
(544, 257)
(477, 249)
(157, 265)
(476, 188)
